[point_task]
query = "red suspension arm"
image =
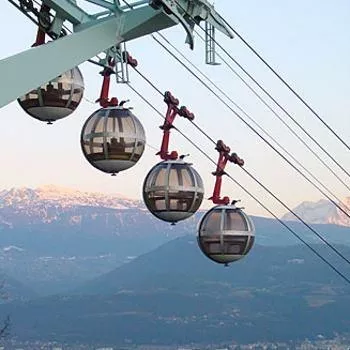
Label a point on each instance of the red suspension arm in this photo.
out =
(224, 157)
(106, 73)
(172, 111)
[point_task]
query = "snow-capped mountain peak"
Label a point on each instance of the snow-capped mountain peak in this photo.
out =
(52, 204)
(58, 192)
(63, 197)
(322, 212)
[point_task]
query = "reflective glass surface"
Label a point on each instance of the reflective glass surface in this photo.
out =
(222, 235)
(235, 220)
(56, 99)
(172, 187)
(115, 134)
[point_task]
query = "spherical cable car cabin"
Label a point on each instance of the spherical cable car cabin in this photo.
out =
(113, 139)
(226, 234)
(59, 97)
(55, 100)
(173, 190)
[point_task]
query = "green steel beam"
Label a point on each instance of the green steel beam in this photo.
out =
(34, 67)
(28, 70)
(69, 11)
(105, 4)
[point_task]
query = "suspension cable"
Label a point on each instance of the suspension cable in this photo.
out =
(295, 234)
(268, 106)
(269, 95)
(306, 104)
(281, 107)
(272, 110)
(251, 128)
(255, 123)
(296, 215)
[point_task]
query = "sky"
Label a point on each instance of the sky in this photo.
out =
(308, 42)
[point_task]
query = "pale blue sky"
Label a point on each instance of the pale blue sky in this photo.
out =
(307, 41)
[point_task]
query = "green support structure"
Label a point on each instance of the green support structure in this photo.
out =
(92, 35)
(32, 68)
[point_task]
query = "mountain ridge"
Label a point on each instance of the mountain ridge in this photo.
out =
(50, 201)
(53, 239)
(65, 197)
(321, 212)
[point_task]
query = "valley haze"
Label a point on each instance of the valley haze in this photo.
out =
(104, 266)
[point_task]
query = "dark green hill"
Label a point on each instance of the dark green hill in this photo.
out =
(174, 295)
(81, 243)
(179, 265)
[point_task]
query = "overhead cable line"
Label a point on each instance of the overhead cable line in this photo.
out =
(296, 215)
(255, 179)
(248, 125)
(280, 106)
(255, 123)
(269, 95)
(272, 110)
(294, 233)
(268, 106)
(306, 104)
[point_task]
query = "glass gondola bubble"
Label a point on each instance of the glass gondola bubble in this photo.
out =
(173, 190)
(55, 100)
(113, 139)
(225, 234)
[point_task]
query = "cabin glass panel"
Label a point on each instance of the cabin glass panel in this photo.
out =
(234, 244)
(235, 220)
(211, 225)
(156, 200)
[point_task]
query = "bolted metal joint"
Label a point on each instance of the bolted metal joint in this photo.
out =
(166, 126)
(219, 172)
(170, 99)
(184, 112)
(129, 59)
(235, 159)
(221, 147)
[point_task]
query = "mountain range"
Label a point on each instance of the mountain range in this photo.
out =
(52, 239)
(53, 204)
